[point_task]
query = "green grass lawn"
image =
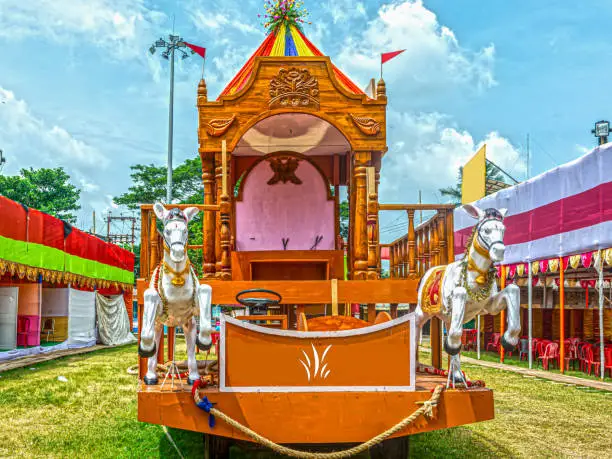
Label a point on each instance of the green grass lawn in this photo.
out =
(514, 360)
(94, 415)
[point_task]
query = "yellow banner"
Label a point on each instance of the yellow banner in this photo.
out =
(474, 177)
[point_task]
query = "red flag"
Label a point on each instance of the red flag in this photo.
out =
(197, 49)
(384, 57)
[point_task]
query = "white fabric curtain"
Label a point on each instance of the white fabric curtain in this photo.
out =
(55, 302)
(9, 297)
(113, 320)
(81, 318)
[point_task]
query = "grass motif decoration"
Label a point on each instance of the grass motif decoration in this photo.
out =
(288, 12)
(317, 367)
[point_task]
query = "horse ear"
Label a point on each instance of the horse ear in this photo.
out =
(160, 210)
(503, 212)
(191, 212)
(473, 211)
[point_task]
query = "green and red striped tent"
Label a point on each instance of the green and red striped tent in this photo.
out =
(34, 244)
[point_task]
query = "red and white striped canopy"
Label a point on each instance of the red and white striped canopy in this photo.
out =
(566, 210)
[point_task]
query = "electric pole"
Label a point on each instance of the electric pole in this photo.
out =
(121, 238)
(174, 43)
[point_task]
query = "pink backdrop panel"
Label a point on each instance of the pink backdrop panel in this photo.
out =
(268, 214)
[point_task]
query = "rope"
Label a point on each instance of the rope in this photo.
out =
(426, 409)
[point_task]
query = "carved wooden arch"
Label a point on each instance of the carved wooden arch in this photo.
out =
(296, 62)
(301, 157)
(244, 127)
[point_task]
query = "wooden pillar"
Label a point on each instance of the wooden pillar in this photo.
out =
(372, 224)
(443, 251)
(393, 310)
(405, 257)
(153, 240)
(412, 272)
(351, 199)
(435, 248)
(225, 210)
(420, 251)
(450, 236)
(208, 219)
(145, 244)
(337, 212)
(218, 191)
(502, 315)
(360, 233)
(391, 261)
(171, 337)
(562, 316)
(426, 249)
(371, 313)
(377, 230)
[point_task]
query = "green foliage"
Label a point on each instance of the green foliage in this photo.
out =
(344, 219)
(149, 186)
(48, 190)
(454, 192)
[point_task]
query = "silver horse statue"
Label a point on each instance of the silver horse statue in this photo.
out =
(175, 296)
(460, 291)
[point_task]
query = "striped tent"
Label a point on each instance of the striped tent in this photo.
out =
(286, 40)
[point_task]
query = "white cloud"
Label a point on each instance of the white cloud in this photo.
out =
(28, 141)
(433, 61)
(120, 26)
(213, 22)
(429, 155)
(344, 10)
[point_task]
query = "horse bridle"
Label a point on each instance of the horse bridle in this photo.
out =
(174, 214)
(490, 215)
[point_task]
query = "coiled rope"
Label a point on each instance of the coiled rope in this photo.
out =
(427, 409)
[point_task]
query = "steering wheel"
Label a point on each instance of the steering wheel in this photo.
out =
(258, 301)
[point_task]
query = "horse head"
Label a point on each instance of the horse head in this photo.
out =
(489, 232)
(175, 232)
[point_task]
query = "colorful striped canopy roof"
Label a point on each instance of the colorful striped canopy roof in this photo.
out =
(286, 40)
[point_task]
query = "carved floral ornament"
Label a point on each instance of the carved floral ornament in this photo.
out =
(294, 88)
(366, 125)
(284, 168)
(218, 127)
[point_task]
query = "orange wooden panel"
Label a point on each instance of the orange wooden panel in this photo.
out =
(319, 292)
(29, 299)
(316, 361)
(326, 417)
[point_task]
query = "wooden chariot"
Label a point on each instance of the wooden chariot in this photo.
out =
(276, 149)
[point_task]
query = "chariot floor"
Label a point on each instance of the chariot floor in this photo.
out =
(315, 417)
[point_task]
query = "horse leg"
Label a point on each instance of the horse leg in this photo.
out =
(147, 346)
(151, 376)
(452, 344)
(190, 340)
(509, 298)
(421, 319)
(204, 339)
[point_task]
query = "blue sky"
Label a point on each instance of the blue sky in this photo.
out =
(80, 90)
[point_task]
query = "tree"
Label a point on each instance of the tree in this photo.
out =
(48, 190)
(149, 186)
(344, 219)
(454, 192)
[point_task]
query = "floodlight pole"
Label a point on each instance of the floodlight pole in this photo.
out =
(174, 42)
(170, 130)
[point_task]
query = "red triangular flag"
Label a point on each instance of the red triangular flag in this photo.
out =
(384, 57)
(197, 49)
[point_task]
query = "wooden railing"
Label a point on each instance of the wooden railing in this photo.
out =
(426, 245)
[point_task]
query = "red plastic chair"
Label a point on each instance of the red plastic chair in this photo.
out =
(494, 342)
(608, 360)
(551, 354)
(23, 326)
(584, 357)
